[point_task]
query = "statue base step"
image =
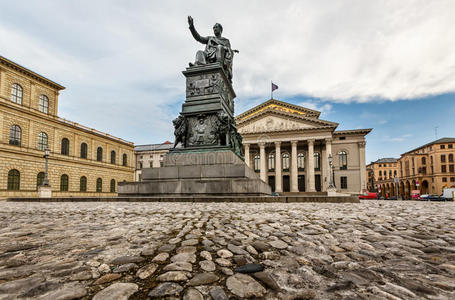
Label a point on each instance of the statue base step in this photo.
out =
(215, 173)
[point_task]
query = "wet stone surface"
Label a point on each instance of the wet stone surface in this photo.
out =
(371, 250)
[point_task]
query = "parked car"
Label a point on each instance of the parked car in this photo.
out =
(368, 195)
(433, 197)
(393, 198)
(423, 197)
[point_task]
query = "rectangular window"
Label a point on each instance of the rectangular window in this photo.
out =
(451, 168)
(444, 179)
(443, 146)
(452, 179)
(443, 158)
(450, 146)
(443, 168)
(344, 182)
(342, 137)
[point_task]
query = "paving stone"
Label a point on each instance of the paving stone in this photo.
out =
(66, 292)
(217, 293)
(107, 278)
(223, 262)
(250, 268)
(166, 289)
(206, 255)
(192, 294)
(203, 278)
(117, 291)
(223, 253)
(278, 244)
(207, 265)
(179, 266)
(127, 259)
(146, 271)
(173, 276)
(184, 257)
(125, 268)
(161, 258)
(244, 286)
(187, 249)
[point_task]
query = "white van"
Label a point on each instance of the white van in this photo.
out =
(449, 193)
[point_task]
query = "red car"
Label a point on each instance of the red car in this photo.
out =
(368, 195)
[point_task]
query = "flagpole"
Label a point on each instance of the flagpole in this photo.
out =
(271, 89)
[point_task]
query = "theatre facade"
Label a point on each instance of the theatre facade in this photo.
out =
(291, 149)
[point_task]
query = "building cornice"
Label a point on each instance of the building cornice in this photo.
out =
(18, 68)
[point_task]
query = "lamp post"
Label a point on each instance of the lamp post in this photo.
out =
(44, 190)
(331, 189)
(47, 152)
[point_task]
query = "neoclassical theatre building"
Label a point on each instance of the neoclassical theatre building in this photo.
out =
(83, 161)
(289, 146)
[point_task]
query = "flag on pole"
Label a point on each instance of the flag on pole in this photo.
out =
(274, 87)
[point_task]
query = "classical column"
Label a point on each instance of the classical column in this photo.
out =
(294, 174)
(278, 168)
(362, 166)
(262, 165)
(247, 154)
(328, 152)
(310, 171)
(3, 88)
(324, 163)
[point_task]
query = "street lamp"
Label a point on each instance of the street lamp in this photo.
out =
(331, 183)
(47, 152)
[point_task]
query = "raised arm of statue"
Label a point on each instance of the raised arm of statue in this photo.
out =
(196, 35)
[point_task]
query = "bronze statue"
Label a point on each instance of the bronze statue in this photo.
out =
(217, 49)
(180, 129)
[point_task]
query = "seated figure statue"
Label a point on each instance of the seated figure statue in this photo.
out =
(217, 49)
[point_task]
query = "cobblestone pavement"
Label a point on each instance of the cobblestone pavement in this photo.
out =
(371, 250)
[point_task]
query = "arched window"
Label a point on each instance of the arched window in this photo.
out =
(15, 134)
(380, 173)
(83, 184)
(43, 104)
(301, 161)
(39, 179)
(42, 141)
(450, 157)
(16, 93)
(343, 156)
(424, 160)
(272, 162)
(285, 161)
(395, 173)
(64, 183)
(14, 180)
(99, 185)
(83, 150)
(112, 185)
(390, 173)
(125, 160)
(257, 161)
(112, 157)
(317, 161)
(99, 154)
(65, 146)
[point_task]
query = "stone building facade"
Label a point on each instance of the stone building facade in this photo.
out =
(149, 156)
(381, 175)
(83, 161)
(289, 146)
(429, 168)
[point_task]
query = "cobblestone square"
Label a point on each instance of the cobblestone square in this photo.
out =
(371, 250)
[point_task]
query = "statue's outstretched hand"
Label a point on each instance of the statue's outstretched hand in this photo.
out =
(190, 21)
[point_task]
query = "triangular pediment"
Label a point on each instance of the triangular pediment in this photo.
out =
(273, 121)
(278, 106)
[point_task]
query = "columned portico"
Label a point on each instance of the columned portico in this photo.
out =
(310, 171)
(262, 161)
(288, 146)
(294, 170)
(278, 176)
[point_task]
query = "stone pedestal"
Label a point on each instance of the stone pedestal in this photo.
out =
(44, 191)
(194, 173)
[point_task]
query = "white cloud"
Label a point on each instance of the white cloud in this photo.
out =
(130, 54)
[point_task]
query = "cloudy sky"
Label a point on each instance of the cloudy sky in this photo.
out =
(387, 65)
